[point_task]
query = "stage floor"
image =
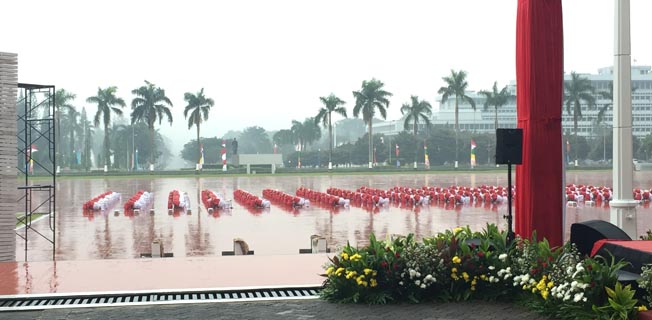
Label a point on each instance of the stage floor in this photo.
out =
(103, 276)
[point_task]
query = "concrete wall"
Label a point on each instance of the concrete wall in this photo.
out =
(8, 155)
(260, 159)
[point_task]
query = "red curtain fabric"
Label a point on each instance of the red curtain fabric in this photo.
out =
(539, 85)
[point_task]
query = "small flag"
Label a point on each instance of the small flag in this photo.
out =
(298, 147)
(275, 148)
(473, 147)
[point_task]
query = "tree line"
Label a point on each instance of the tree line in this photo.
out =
(150, 106)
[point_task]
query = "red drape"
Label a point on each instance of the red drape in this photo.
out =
(539, 83)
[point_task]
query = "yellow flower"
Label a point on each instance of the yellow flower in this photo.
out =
(457, 230)
(355, 257)
(454, 270)
(457, 259)
(329, 270)
(642, 308)
(373, 282)
(472, 288)
(345, 256)
(550, 284)
(474, 282)
(483, 277)
(465, 276)
(367, 271)
(351, 274)
(544, 294)
(374, 273)
(454, 276)
(339, 271)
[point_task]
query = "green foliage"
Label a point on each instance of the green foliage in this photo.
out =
(459, 265)
(621, 304)
(645, 282)
(254, 140)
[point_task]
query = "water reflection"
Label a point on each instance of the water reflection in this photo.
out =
(277, 230)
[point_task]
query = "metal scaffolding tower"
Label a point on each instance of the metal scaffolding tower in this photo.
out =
(37, 158)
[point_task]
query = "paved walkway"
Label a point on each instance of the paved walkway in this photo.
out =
(300, 310)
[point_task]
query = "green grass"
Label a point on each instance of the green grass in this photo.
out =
(240, 172)
(19, 215)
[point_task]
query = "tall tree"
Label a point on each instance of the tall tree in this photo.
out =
(149, 105)
(62, 103)
(87, 129)
(371, 97)
(417, 110)
(72, 127)
(496, 99)
(607, 95)
(331, 104)
(456, 87)
(305, 132)
(577, 89)
(198, 107)
(107, 103)
(413, 112)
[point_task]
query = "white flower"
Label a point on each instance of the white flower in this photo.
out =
(567, 297)
(400, 283)
(423, 286)
(491, 279)
(418, 274)
(573, 284)
(418, 282)
(412, 273)
(492, 267)
(428, 278)
(502, 257)
(578, 296)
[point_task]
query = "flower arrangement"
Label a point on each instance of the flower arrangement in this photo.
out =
(645, 284)
(459, 265)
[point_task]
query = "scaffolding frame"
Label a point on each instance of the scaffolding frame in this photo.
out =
(36, 127)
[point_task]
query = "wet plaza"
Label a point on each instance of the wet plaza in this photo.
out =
(279, 230)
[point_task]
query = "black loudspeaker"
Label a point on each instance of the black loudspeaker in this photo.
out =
(585, 234)
(509, 146)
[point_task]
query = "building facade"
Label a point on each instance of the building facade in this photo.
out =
(483, 121)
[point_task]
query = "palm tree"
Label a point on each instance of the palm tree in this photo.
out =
(106, 101)
(419, 109)
(198, 106)
(577, 89)
(62, 99)
(148, 106)
(496, 99)
(367, 100)
(73, 126)
(607, 95)
(331, 104)
(456, 86)
(305, 132)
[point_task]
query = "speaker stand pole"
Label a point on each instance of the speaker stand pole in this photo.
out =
(510, 231)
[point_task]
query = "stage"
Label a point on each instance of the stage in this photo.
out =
(109, 276)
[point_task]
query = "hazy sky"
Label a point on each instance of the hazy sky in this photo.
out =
(268, 62)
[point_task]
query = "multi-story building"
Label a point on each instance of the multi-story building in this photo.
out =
(483, 121)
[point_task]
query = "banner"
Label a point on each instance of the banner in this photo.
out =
(425, 155)
(473, 147)
(201, 157)
(398, 162)
(223, 155)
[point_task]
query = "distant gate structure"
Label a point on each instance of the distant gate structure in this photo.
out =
(272, 160)
(8, 157)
